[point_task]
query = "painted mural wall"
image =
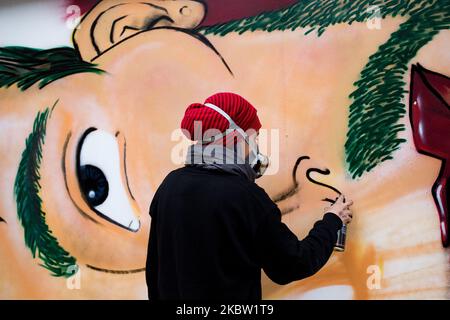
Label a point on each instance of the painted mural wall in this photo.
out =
(354, 96)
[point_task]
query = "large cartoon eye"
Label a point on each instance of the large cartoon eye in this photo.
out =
(99, 178)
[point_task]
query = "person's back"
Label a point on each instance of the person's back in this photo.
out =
(205, 233)
(213, 230)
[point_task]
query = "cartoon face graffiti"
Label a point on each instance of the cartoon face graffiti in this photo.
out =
(84, 147)
(90, 166)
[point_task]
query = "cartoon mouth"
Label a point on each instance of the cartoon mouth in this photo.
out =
(115, 271)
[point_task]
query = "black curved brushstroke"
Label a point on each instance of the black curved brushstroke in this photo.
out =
(125, 168)
(294, 189)
(192, 33)
(154, 6)
(115, 271)
(113, 27)
(324, 172)
(150, 23)
(64, 171)
(2, 220)
(94, 25)
(125, 163)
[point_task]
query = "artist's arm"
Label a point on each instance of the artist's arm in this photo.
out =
(284, 257)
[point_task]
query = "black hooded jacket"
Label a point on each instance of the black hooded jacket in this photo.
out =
(212, 233)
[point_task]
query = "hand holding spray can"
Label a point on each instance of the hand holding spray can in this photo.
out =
(343, 211)
(342, 233)
(339, 207)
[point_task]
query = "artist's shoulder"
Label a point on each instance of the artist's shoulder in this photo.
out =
(176, 172)
(171, 177)
(253, 190)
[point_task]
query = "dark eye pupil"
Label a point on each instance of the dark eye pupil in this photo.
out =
(93, 184)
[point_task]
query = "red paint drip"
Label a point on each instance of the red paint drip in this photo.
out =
(430, 122)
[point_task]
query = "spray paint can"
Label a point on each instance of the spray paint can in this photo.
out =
(340, 243)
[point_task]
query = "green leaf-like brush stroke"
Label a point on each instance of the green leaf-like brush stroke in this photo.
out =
(38, 237)
(26, 66)
(377, 105)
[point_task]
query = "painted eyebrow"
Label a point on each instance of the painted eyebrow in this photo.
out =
(37, 234)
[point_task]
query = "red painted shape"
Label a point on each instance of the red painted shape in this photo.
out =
(219, 11)
(430, 122)
(85, 5)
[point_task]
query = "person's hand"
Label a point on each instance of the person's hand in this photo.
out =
(341, 208)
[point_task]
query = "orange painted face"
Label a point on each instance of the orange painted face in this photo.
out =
(111, 138)
(106, 148)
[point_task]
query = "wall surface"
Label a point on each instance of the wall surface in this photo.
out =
(89, 112)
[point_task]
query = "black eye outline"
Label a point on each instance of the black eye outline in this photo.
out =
(79, 174)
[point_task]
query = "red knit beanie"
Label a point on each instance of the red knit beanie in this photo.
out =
(239, 109)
